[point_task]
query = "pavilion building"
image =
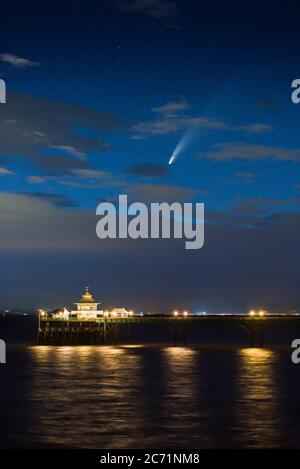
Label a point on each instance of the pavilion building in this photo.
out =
(88, 309)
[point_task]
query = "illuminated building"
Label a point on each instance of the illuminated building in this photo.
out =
(87, 307)
(120, 312)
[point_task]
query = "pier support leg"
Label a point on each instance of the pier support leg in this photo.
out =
(256, 335)
(185, 337)
(175, 337)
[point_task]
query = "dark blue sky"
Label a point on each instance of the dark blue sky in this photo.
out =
(100, 93)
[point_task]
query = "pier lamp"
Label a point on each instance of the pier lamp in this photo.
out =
(175, 314)
(185, 314)
(262, 313)
(130, 313)
(114, 314)
(252, 313)
(105, 314)
(42, 314)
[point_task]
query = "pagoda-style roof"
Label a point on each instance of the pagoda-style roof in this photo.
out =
(87, 297)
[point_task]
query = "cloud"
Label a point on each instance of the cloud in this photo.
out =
(155, 8)
(52, 165)
(89, 179)
(90, 173)
(174, 124)
(148, 170)
(88, 184)
(38, 235)
(43, 132)
(36, 180)
(255, 212)
(271, 202)
(172, 107)
(18, 62)
(57, 200)
(148, 193)
(5, 172)
(71, 150)
(80, 179)
(37, 221)
(229, 151)
(172, 119)
(257, 128)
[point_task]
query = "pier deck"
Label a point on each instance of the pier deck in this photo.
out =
(104, 330)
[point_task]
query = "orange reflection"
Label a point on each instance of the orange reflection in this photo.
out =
(181, 410)
(257, 404)
(87, 395)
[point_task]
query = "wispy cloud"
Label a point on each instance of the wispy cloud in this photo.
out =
(44, 132)
(156, 8)
(18, 62)
(228, 151)
(170, 125)
(149, 193)
(257, 213)
(80, 178)
(36, 180)
(172, 119)
(257, 128)
(263, 208)
(57, 200)
(45, 225)
(5, 172)
(71, 150)
(172, 107)
(90, 173)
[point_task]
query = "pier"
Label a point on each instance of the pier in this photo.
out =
(89, 325)
(109, 330)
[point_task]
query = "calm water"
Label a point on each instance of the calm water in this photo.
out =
(143, 397)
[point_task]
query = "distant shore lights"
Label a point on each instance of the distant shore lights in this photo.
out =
(176, 313)
(260, 313)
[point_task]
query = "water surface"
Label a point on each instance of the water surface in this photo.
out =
(149, 397)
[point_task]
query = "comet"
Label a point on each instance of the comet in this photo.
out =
(182, 144)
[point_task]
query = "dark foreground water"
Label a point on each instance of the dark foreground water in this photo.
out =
(149, 397)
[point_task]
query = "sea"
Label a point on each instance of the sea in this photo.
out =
(217, 392)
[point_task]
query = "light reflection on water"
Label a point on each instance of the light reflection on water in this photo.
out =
(257, 403)
(98, 405)
(181, 416)
(143, 397)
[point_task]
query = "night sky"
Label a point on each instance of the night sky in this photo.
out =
(100, 93)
